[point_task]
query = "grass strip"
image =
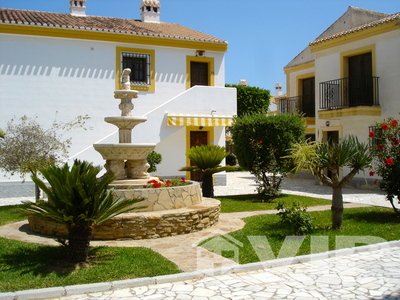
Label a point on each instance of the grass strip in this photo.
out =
(376, 222)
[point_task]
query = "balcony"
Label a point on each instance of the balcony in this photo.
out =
(302, 104)
(349, 92)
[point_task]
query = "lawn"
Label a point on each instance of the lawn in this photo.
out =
(30, 266)
(376, 223)
(240, 203)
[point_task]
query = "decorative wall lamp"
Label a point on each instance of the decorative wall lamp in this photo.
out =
(200, 52)
(327, 123)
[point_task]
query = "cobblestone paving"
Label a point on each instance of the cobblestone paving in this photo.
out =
(366, 275)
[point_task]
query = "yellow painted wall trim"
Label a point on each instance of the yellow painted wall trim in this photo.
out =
(152, 86)
(110, 37)
(209, 60)
(355, 36)
(310, 130)
(305, 66)
(324, 132)
(309, 121)
(349, 112)
(344, 59)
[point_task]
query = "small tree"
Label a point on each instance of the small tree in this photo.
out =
(78, 199)
(251, 100)
(154, 158)
(206, 160)
(386, 150)
(28, 147)
(321, 157)
(261, 143)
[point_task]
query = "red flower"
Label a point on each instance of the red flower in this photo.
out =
(156, 185)
(371, 173)
(372, 134)
(145, 186)
(260, 141)
(380, 147)
(389, 162)
(375, 181)
(395, 142)
(394, 123)
(385, 126)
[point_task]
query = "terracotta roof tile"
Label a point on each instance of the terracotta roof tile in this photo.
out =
(385, 20)
(103, 24)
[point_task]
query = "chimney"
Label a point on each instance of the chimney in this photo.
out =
(278, 90)
(77, 8)
(150, 11)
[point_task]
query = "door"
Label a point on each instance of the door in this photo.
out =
(360, 80)
(197, 138)
(308, 103)
(198, 73)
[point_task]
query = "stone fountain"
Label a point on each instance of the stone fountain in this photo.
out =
(168, 211)
(126, 160)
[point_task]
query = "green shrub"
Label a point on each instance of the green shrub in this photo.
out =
(154, 158)
(261, 143)
(296, 218)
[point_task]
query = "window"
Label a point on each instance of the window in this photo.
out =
(139, 63)
(142, 65)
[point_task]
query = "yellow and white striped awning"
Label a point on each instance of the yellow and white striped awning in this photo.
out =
(199, 120)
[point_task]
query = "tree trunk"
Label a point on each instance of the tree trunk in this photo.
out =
(37, 193)
(79, 236)
(337, 207)
(207, 186)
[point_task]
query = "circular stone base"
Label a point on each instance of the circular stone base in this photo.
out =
(144, 225)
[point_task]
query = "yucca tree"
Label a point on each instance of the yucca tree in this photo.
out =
(80, 200)
(320, 157)
(206, 160)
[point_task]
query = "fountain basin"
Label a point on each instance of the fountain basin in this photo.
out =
(124, 151)
(144, 225)
(157, 199)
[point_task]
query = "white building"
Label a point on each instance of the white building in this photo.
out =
(348, 78)
(58, 65)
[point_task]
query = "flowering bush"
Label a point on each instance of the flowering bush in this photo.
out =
(387, 158)
(160, 183)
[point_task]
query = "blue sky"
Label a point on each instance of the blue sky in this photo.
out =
(263, 35)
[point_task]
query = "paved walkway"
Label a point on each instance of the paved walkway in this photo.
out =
(344, 275)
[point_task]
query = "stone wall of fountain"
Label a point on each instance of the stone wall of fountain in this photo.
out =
(169, 211)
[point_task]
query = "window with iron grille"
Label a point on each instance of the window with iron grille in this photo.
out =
(139, 63)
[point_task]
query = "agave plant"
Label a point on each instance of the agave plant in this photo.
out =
(206, 160)
(80, 200)
(320, 157)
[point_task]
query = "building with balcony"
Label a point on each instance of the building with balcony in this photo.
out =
(61, 65)
(348, 78)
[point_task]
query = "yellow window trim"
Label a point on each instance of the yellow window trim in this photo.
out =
(344, 56)
(355, 36)
(350, 112)
(324, 132)
(110, 37)
(297, 68)
(299, 88)
(209, 60)
(210, 138)
(152, 86)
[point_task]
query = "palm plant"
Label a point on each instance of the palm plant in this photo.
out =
(320, 157)
(206, 160)
(78, 199)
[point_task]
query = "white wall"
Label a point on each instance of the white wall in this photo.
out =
(43, 77)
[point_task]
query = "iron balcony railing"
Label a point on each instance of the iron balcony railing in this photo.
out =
(302, 104)
(349, 92)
